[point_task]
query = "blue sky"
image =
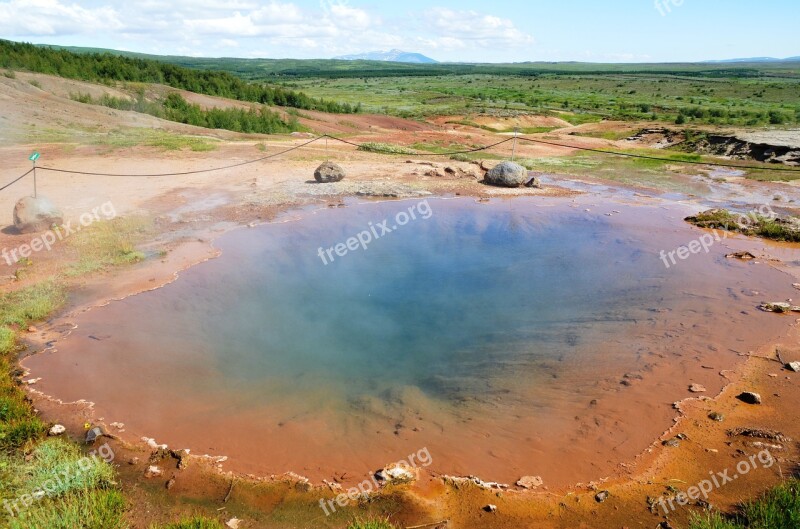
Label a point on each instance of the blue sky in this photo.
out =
(466, 31)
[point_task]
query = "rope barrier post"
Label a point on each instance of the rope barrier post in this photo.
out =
(33, 157)
(514, 145)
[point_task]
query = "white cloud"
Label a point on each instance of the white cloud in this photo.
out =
(51, 17)
(209, 27)
(455, 29)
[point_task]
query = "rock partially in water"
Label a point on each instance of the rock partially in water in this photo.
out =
(601, 496)
(93, 434)
(779, 306)
(534, 179)
(507, 174)
(36, 214)
(697, 388)
(530, 482)
(397, 473)
(329, 172)
(749, 397)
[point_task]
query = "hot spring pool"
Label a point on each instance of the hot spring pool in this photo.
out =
(509, 338)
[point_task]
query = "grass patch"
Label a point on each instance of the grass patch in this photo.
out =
(371, 524)
(109, 243)
(36, 302)
(57, 457)
(193, 523)
(612, 135)
(34, 82)
(752, 224)
(777, 509)
(385, 148)
(10, 74)
(558, 163)
(90, 509)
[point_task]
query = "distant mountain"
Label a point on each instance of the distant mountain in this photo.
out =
(389, 56)
(757, 59)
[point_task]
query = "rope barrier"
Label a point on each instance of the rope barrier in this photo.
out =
(53, 169)
(17, 180)
(451, 153)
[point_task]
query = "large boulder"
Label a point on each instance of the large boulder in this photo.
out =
(36, 214)
(329, 172)
(507, 174)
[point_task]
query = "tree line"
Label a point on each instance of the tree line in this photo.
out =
(107, 68)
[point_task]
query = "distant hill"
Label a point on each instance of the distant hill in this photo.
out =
(389, 56)
(756, 60)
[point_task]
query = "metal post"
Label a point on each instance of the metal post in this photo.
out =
(34, 179)
(514, 145)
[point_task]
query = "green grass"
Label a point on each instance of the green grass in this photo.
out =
(385, 148)
(754, 225)
(371, 524)
(777, 509)
(36, 302)
(55, 457)
(193, 523)
(108, 243)
(90, 509)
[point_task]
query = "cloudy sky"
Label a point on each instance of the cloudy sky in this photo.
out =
(467, 30)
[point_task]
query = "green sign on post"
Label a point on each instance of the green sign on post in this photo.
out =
(33, 157)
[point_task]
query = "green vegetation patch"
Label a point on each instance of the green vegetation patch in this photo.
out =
(753, 224)
(777, 509)
(108, 243)
(385, 148)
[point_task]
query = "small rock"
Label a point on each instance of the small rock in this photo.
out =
(133, 461)
(780, 307)
(601, 496)
(672, 443)
(490, 508)
(93, 434)
(152, 472)
(233, 523)
(304, 486)
(57, 429)
(530, 482)
(32, 329)
(397, 473)
(329, 172)
(697, 388)
(170, 483)
(716, 416)
(741, 255)
(749, 397)
(793, 366)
